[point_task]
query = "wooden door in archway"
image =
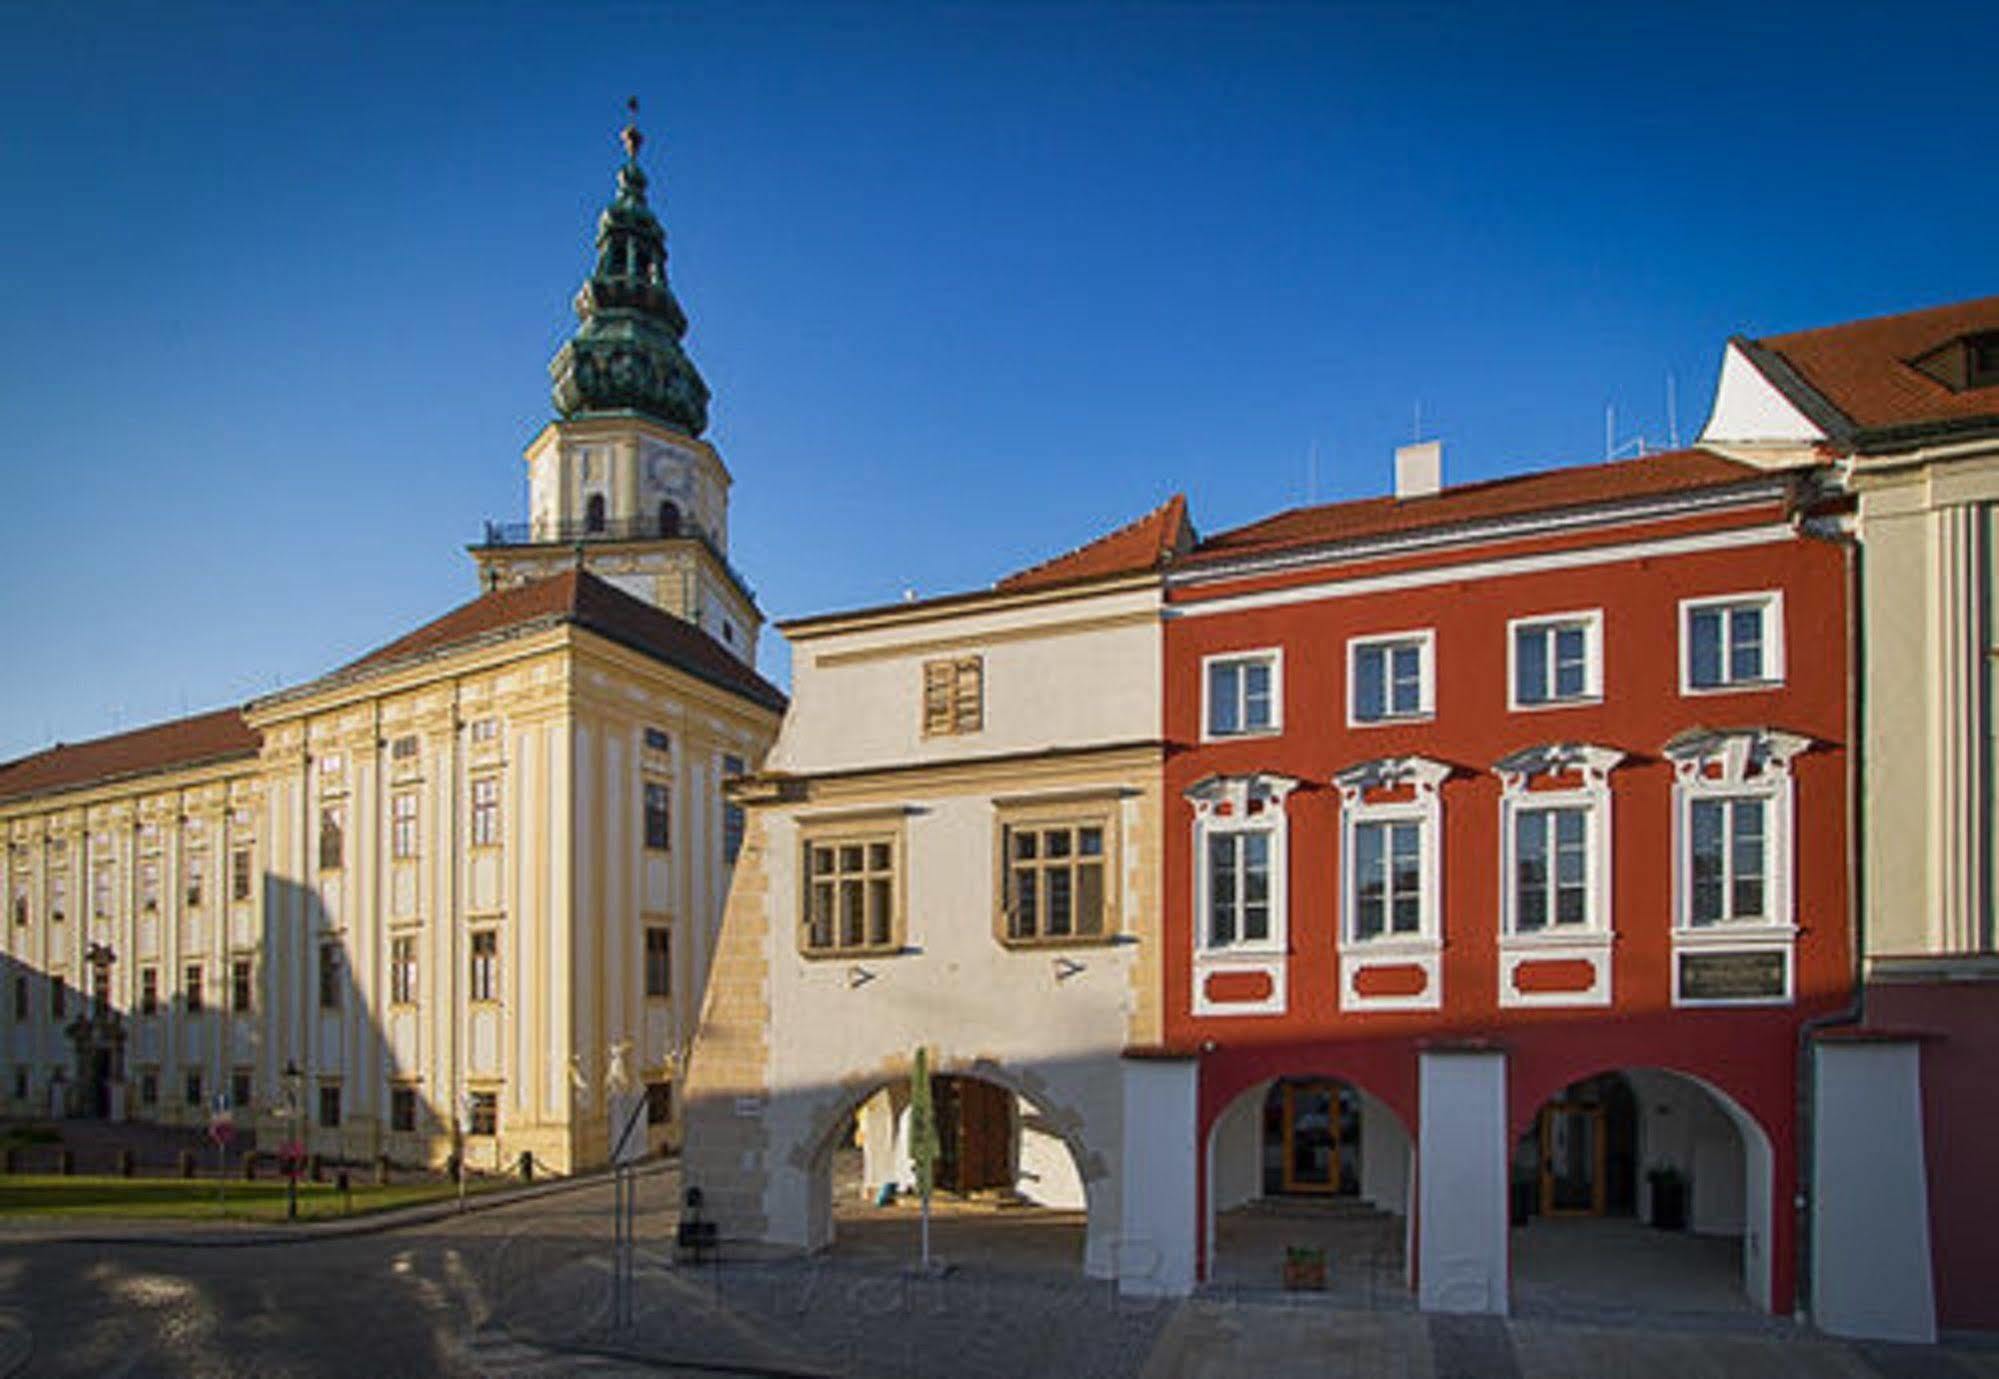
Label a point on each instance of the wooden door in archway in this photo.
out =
(1572, 1159)
(974, 1134)
(1311, 1136)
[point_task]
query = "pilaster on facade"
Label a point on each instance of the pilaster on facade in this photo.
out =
(1960, 723)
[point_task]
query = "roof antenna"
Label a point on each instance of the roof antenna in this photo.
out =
(1672, 411)
(1609, 430)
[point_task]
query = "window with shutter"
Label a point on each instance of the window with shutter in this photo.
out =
(937, 681)
(953, 696)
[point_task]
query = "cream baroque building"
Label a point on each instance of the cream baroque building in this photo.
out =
(463, 890)
(1906, 408)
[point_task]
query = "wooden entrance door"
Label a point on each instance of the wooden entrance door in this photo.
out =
(1572, 1160)
(1311, 1136)
(974, 1134)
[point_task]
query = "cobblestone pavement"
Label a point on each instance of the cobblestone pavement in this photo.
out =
(524, 1290)
(1275, 1339)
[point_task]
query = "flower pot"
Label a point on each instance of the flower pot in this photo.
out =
(1305, 1272)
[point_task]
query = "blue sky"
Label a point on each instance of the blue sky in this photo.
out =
(278, 288)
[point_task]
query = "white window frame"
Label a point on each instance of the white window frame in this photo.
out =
(1772, 863)
(1591, 622)
(1588, 789)
(1771, 604)
(1274, 657)
(1725, 765)
(1254, 803)
(1425, 641)
(1423, 778)
(1426, 810)
(1591, 766)
(1240, 805)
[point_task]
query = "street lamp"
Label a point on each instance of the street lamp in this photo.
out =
(295, 1104)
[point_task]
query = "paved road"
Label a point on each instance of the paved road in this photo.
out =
(523, 1291)
(414, 1301)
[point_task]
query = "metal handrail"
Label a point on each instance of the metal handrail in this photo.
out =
(571, 532)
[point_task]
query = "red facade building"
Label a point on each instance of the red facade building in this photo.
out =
(1507, 856)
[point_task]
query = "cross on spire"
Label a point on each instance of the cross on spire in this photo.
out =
(626, 354)
(633, 140)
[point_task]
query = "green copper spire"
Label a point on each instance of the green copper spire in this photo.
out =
(626, 355)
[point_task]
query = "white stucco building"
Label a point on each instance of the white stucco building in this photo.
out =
(953, 845)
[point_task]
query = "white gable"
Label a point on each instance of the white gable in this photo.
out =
(1749, 410)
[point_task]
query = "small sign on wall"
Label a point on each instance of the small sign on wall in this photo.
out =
(1759, 975)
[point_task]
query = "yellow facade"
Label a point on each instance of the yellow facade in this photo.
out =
(498, 790)
(481, 871)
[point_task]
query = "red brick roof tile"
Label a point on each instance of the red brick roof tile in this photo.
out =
(1865, 369)
(218, 736)
(1547, 491)
(1146, 544)
(576, 596)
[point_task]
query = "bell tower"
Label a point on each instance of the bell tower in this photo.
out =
(621, 482)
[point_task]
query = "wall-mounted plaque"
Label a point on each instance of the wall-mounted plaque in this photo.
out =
(1753, 976)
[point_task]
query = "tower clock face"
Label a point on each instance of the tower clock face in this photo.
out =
(656, 468)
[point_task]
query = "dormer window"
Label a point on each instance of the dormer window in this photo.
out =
(1970, 361)
(1982, 360)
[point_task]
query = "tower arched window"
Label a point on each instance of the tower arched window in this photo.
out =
(593, 513)
(669, 518)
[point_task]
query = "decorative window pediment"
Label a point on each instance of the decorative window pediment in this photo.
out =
(1519, 770)
(1421, 774)
(1734, 756)
(1240, 798)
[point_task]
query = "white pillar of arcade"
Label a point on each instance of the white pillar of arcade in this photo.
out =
(1158, 1237)
(1461, 1159)
(1870, 1201)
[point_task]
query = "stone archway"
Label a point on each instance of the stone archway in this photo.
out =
(1353, 1200)
(1698, 1228)
(1048, 1135)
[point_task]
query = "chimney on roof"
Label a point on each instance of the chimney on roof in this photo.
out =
(1419, 469)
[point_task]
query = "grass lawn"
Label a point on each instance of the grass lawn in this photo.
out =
(195, 1200)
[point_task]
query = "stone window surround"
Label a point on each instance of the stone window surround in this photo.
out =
(1097, 808)
(888, 825)
(1741, 763)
